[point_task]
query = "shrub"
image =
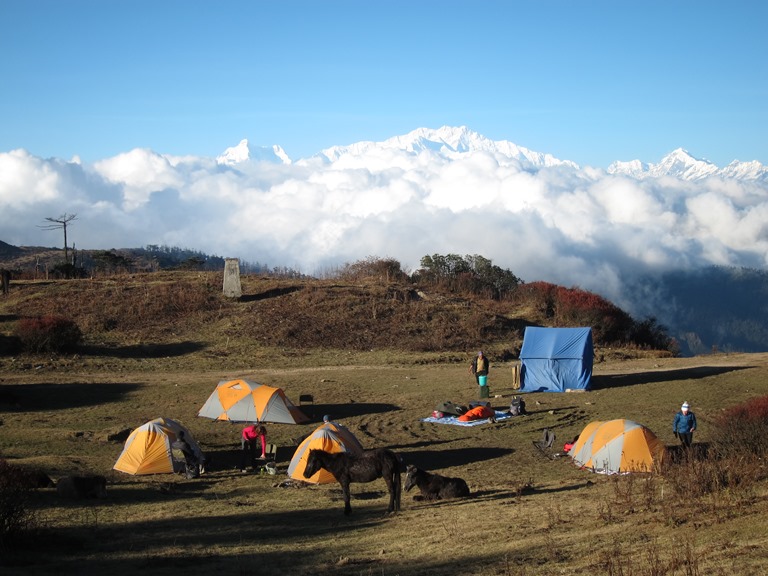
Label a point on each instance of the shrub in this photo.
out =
(696, 477)
(734, 460)
(373, 268)
(743, 429)
(467, 275)
(9, 345)
(577, 307)
(15, 515)
(48, 334)
(649, 333)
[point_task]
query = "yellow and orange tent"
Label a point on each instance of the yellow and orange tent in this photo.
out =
(329, 436)
(242, 400)
(617, 447)
(148, 448)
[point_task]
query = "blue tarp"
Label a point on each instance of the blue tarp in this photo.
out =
(556, 359)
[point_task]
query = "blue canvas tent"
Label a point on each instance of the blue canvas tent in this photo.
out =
(556, 359)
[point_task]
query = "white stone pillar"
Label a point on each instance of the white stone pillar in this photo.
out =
(232, 287)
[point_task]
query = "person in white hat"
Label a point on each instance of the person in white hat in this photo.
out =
(684, 425)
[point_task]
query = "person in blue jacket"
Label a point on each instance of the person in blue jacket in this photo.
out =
(684, 425)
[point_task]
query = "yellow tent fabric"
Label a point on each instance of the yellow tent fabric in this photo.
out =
(617, 446)
(329, 436)
(242, 400)
(148, 448)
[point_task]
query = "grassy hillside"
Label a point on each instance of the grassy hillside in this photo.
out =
(704, 310)
(157, 345)
(311, 322)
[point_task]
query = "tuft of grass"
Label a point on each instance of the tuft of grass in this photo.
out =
(17, 517)
(48, 334)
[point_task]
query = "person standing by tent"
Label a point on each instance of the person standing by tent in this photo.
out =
(479, 367)
(182, 447)
(249, 444)
(684, 425)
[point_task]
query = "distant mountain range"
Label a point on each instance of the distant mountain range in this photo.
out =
(452, 141)
(712, 308)
(680, 164)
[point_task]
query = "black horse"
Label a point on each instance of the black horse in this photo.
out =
(346, 468)
(434, 486)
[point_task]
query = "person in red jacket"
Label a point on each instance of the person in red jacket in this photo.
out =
(249, 444)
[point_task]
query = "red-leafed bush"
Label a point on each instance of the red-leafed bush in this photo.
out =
(48, 334)
(743, 429)
(732, 462)
(540, 295)
(576, 307)
(570, 307)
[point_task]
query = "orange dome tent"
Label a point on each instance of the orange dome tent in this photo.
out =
(245, 401)
(148, 448)
(330, 437)
(617, 447)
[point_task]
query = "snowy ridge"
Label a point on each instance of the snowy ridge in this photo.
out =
(243, 152)
(745, 170)
(680, 164)
(452, 143)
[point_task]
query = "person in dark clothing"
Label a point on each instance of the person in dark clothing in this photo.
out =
(5, 280)
(480, 366)
(684, 424)
(192, 463)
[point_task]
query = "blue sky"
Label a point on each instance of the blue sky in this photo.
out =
(591, 82)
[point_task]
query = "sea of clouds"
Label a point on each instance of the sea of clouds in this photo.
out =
(562, 224)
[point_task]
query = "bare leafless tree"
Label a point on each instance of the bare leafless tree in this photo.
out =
(60, 223)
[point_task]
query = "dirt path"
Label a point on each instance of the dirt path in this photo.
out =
(662, 364)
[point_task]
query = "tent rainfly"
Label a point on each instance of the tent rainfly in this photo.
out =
(617, 447)
(148, 448)
(556, 359)
(329, 436)
(246, 401)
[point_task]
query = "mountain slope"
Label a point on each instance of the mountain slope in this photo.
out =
(714, 308)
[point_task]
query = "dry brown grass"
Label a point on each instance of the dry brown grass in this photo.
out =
(529, 515)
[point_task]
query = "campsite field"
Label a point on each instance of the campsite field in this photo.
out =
(529, 514)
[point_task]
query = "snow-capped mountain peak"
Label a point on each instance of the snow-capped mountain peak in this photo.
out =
(235, 154)
(447, 141)
(243, 152)
(632, 168)
(745, 170)
(681, 164)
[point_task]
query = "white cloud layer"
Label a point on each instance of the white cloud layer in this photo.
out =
(562, 224)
